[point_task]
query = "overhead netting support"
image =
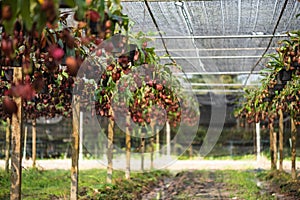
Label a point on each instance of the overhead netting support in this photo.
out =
(216, 36)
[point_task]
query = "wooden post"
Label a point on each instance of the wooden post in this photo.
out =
(75, 148)
(33, 143)
(142, 149)
(152, 153)
(81, 136)
(293, 156)
(168, 138)
(7, 145)
(275, 148)
(153, 129)
(273, 164)
(16, 154)
(25, 142)
(175, 146)
(128, 149)
(110, 138)
(191, 151)
(280, 140)
(258, 141)
(157, 141)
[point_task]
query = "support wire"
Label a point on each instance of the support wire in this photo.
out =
(269, 44)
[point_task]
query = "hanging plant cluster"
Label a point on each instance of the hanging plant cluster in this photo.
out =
(134, 82)
(36, 37)
(280, 87)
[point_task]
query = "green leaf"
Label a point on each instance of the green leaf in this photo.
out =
(288, 42)
(70, 52)
(70, 3)
(25, 13)
(81, 8)
(9, 25)
(101, 9)
(40, 18)
(65, 74)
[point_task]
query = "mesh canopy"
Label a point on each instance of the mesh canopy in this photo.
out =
(217, 35)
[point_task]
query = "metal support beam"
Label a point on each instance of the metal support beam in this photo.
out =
(217, 49)
(217, 91)
(219, 36)
(219, 73)
(223, 84)
(210, 57)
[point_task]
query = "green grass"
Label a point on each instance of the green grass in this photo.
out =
(55, 184)
(241, 183)
(4, 185)
(47, 184)
(243, 157)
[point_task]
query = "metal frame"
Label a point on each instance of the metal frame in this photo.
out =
(216, 49)
(218, 36)
(217, 91)
(223, 84)
(219, 73)
(210, 57)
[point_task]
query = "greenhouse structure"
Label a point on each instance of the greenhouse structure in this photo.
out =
(149, 99)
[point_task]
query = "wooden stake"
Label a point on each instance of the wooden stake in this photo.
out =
(128, 150)
(153, 129)
(7, 145)
(152, 153)
(110, 138)
(280, 140)
(157, 141)
(273, 164)
(275, 148)
(16, 154)
(75, 149)
(33, 143)
(257, 125)
(293, 156)
(142, 149)
(25, 142)
(168, 138)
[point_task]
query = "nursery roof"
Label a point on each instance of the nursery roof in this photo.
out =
(215, 36)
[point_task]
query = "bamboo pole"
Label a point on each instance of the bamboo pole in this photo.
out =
(275, 148)
(25, 142)
(191, 151)
(110, 138)
(16, 147)
(157, 141)
(81, 136)
(33, 143)
(153, 129)
(152, 153)
(168, 138)
(293, 156)
(142, 150)
(128, 150)
(280, 140)
(258, 141)
(7, 144)
(273, 164)
(75, 148)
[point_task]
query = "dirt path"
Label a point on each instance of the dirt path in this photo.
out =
(190, 185)
(208, 185)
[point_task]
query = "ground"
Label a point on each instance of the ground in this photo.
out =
(198, 179)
